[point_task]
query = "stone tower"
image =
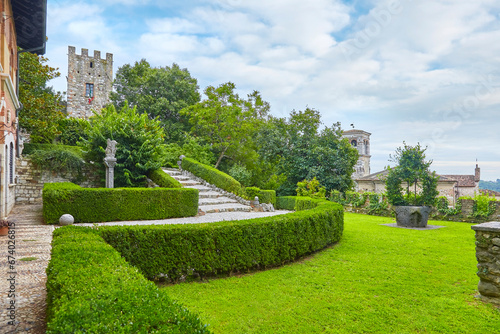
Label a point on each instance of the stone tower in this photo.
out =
(90, 81)
(361, 141)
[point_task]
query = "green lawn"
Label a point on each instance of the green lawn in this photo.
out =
(377, 279)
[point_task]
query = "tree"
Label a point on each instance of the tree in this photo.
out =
(159, 92)
(226, 121)
(301, 151)
(42, 107)
(140, 143)
(411, 169)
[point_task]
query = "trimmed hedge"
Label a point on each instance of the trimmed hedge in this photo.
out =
(265, 196)
(212, 176)
(286, 203)
(89, 205)
(164, 180)
(200, 250)
(92, 289)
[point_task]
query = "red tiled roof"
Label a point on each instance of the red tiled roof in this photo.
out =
(463, 180)
(490, 192)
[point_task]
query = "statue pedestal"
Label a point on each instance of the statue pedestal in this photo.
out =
(110, 163)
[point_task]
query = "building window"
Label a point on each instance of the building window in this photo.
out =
(91, 64)
(89, 90)
(354, 143)
(11, 164)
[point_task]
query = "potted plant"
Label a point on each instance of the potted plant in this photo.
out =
(411, 186)
(4, 227)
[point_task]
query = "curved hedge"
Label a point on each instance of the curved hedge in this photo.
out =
(212, 175)
(265, 196)
(92, 289)
(200, 250)
(164, 180)
(89, 205)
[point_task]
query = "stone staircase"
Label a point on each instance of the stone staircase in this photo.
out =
(211, 199)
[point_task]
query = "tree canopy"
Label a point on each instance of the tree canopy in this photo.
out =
(42, 107)
(160, 92)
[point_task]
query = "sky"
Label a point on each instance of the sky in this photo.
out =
(424, 71)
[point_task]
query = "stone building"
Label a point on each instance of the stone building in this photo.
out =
(23, 25)
(90, 81)
(361, 141)
(450, 186)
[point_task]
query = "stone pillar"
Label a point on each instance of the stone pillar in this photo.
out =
(467, 207)
(110, 162)
(488, 258)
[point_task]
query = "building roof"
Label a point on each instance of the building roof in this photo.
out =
(462, 180)
(356, 132)
(30, 17)
(489, 192)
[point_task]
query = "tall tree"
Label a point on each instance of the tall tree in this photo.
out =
(226, 121)
(42, 107)
(159, 92)
(302, 151)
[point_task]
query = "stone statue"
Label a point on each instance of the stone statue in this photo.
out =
(111, 148)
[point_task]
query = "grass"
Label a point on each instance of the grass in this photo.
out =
(31, 258)
(377, 279)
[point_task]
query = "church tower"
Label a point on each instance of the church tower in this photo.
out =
(361, 141)
(90, 81)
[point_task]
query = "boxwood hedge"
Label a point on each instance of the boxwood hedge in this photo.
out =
(200, 250)
(227, 182)
(212, 176)
(88, 205)
(164, 180)
(92, 289)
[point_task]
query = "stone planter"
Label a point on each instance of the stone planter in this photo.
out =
(412, 216)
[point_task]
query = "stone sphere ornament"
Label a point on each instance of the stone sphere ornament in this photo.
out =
(66, 219)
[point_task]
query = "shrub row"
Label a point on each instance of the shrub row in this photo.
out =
(92, 289)
(31, 147)
(212, 176)
(227, 182)
(88, 205)
(164, 180)
(201, 250)
(265, 196)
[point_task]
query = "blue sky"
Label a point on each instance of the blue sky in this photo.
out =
(417, 71)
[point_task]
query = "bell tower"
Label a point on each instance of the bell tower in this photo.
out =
(361, 141)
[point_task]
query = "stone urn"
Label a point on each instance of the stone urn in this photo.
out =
(412, 216)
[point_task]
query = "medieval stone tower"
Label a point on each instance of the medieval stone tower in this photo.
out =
(90, 81)
(361, 141)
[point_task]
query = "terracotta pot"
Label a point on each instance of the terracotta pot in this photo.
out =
(4, 230)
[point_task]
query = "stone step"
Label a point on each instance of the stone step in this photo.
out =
(181, 178)
(171, 171)
(216, 201)
(201, 188)
(209, 194)
(230, 207)
(190, 184)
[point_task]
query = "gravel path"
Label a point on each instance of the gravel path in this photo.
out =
(31, 255)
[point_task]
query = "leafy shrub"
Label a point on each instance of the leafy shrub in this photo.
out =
(311, 188)
(92, 289)
(88, 205)
(241, 174)
(286, 203)
(377, 204)
(265, 196)
(484, 205)
(164, 180)
(31, 147)
(140, 145)
(57, 158)
(337, 197)
(191, 148)
(72, 130)
(201, 250)
(212, 176)
(355, 199)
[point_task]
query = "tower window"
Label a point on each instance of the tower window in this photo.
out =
(354, 143)
(91, 64)
(89, 90)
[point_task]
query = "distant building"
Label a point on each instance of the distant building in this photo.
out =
(361, 141)
(90, 81)
(23, 25)
(450, 186)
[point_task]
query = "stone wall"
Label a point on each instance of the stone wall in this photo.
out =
(488, 258)
(467, 207)
(30, 180)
